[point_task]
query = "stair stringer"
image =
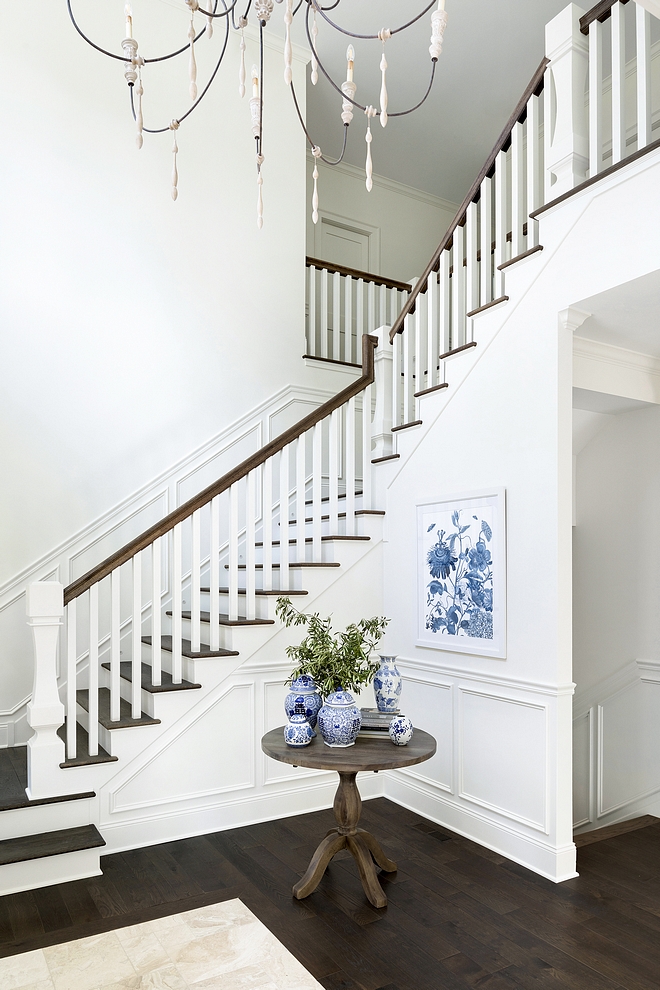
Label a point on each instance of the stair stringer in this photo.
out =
(244, 701)
(502, 776)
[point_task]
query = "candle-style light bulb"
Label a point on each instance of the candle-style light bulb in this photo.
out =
(350, 57)
(129, 20)
(255, 82)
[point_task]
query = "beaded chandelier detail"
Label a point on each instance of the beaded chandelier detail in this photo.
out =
(222, 13)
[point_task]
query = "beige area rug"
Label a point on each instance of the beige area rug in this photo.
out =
(222, 945)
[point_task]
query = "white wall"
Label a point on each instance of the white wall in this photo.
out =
(134, 328)
(407, 223)
(616, 626)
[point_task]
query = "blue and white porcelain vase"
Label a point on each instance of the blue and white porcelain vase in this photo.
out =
(303, 692)
(339, 720)
(401, 730)
(298, 731)
(387, 685)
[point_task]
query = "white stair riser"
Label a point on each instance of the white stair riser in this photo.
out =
(163, 705)
(50, 870)
(46, 818)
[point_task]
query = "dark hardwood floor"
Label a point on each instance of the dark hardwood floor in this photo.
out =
(458, 915)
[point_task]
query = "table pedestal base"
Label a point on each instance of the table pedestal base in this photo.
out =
(361, 844)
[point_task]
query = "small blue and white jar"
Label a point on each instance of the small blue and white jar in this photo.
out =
(401, 730)
(298, 732)
(303, 692)
(339, 720)
(387, 685)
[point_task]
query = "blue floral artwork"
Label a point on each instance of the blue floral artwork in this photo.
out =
(461, 572)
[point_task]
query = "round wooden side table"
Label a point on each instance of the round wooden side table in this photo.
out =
(367, 754)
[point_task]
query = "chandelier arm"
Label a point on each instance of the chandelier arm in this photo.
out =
(236, 26)
(399, 113)
(122, 58)
(224, 13)
(307, 135)
(163, 130)
(365, 37)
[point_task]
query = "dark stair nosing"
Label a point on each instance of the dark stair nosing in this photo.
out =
(292, 564)
(433, 388)
(15, 804)
(324, 539)
(388, 457)
(406, 426)
(66, 840)
(341, 515)
(125, 719)
(205, 652)
(82, 758)
(490, 305)
(167, 685)
(226, 621)
(519, 257)
(457, 350)
(258, 591)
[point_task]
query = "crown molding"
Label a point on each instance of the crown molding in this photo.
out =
(621, 357)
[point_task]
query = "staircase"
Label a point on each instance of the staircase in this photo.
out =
(164, 638)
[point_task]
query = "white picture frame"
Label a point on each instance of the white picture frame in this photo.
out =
(461, 568)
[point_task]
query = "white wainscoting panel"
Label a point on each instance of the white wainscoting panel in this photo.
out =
(430, 704)
(491, 727)
(582, 769)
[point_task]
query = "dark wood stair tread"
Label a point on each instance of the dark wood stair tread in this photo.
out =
(259, 592)
(83, 759)
(226, 621)
(13, 774)
(204, 653)
(324, 539)
(125, 719)
(66, 840)
(292, 563)
(406, 426)
(166, 685)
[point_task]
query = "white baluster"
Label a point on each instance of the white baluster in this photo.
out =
(517, 191)
(267, 534)
(408, 366)
(381, 433)
(533, 170)
(311, 313)
(336, 316)
(371, 307)
(393, 306)
(472, 270)
(348, 319)
(643, 25)
(366, 447)
(349, 446)
(156, 618)
(250, 537)
(71, 680)
(300, 497)
(486, 218)
(45, 711)
(444, 321)
(284, 520)
(618, 83)
(177, 605)
(333, 473)
(317, 477)
(500, 221)
(325, 315)
(115, 644)
(397, 382)
(233, 552)
(195, 581)
(431, 331)
(359, 318)
(595, 97)
(381, 319)
(136, 639)
(419, 353)
(458, 290)
(214, 575)
(93, 671)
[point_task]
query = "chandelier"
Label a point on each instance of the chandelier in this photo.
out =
(222, 14)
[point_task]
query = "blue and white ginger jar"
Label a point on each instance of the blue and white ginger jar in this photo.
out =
(339, 720)
(303, 693)
(401, 730)
(298, 731)
(387, 685)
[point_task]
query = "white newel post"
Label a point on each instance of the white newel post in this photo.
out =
(381, 433)
(45, 712)
(567, 139)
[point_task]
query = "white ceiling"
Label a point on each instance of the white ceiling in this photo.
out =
(491, 50)
(626, 316)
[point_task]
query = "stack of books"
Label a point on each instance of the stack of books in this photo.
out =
(376, 724)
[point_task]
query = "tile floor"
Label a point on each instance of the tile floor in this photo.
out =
(222, 946)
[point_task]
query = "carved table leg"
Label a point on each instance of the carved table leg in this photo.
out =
(362, 845)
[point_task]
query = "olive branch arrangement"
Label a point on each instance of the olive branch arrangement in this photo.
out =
(342, 660)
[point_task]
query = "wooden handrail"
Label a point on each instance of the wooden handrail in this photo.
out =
(535, 86)
(369, 344)
(600, 12)
(391, 283)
